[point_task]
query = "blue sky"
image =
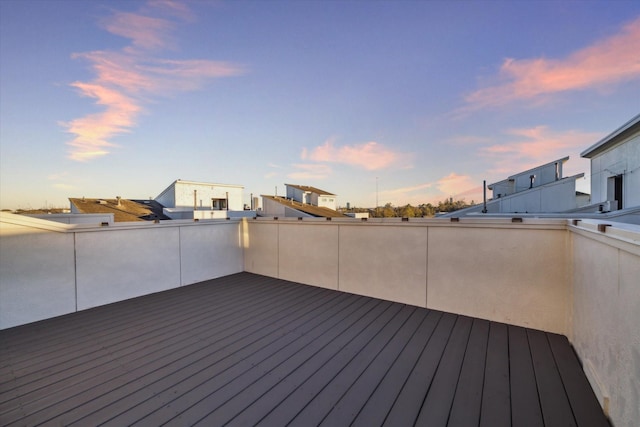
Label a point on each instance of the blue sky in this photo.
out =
(406, 101)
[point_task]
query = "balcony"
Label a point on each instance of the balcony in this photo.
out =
(406, 322)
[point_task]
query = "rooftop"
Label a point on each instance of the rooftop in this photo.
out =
(613, 138)
(317, 211)
(310, 189)
(123, 210)
(247, 349)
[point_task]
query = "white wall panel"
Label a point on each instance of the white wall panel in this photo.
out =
(511, 275)
(309, 254)
(113, 265)
(36, 275)
(388, 262)
(210, 250)
(606, 322)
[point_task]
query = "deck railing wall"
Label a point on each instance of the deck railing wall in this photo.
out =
(49, 269)
(493, 269)
(577, 278)
(606, 315)
(581, 279)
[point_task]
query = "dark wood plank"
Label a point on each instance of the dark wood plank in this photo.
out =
(236, 402)
(437, 405)
(251, 350)
(352, 402)
(467, 402)
(345, 374)
(525, 406)
(137, 340)
(276, 385)
(38, 339)
(379, 404)
(496, 394)
(221, 364)
(323, 367)
(409, 402)
(103, 386)
(105, 328)
(556, 410)
(584, 404)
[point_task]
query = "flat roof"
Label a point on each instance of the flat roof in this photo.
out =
(252, 350)
(123, 210)
(317, 211)
(310, 189)
(528, 171)
(613, 138)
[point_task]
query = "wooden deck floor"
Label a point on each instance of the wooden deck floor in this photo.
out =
(251, 350)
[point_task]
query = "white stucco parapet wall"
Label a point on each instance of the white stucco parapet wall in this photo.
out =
(578, 278)
(48, 269)
(494, 269)
(581, 280)
(606, 314)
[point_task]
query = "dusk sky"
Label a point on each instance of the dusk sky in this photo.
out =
(406, 101)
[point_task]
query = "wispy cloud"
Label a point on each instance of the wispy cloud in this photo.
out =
(524, 148)
(145, 32)
(60, 181)
(127, 79)
(94, 131)
(458, 186)
(369, 155)
(453, 185)
(607, 62)
(414, 194)
(63, 186)
(309, 171)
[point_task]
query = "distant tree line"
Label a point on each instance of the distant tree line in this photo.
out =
(37, 211)
(409, 211)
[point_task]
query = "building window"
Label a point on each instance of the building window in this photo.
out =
(219, 204)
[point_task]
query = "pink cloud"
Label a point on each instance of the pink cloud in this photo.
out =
(175, 8)
(185, 75)
(453, 185)
(126, 79)
(529, 147)
(414, 195)
(117, 69)
(605, 63)
(369, 155)
(144, 31)
(93, 131)
(457, 186)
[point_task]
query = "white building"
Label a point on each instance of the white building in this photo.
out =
(542, 189)
(615, 168)
(536, 190)
(311, 196)
(202, 200)
(301, 201)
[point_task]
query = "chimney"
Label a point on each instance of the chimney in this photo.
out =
(118, 200)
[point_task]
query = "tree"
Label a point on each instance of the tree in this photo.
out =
(407, 211)
(388, 211)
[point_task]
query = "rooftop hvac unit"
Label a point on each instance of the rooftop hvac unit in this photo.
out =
(608, 206)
